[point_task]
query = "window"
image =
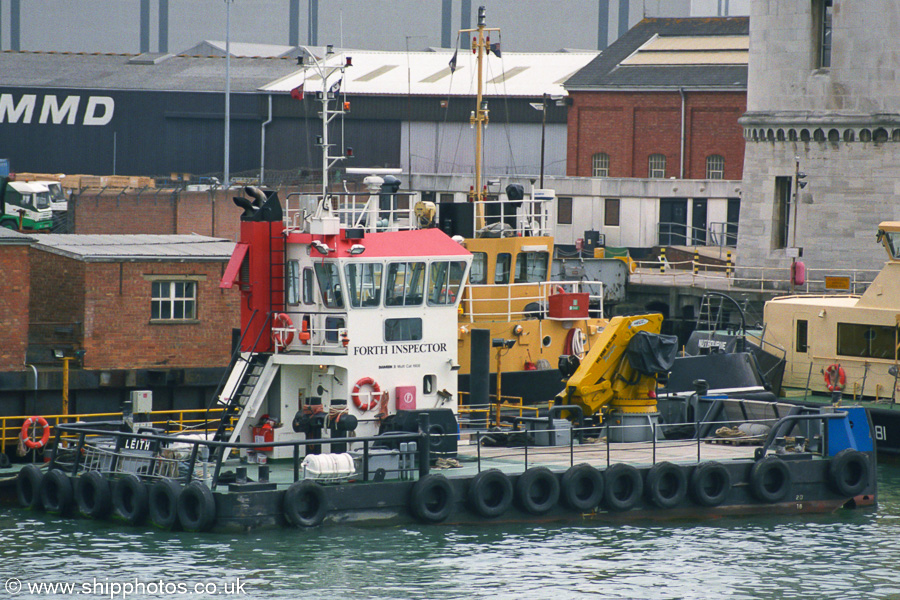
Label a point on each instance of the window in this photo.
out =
(330, 284)
(715, 167)
(292, 285)
(781, 218)
(173, 301)
(802, 329)
(405, 284)
(478, 275)
(563, 211)
(402, 330)
(611, 212)
(823, 12)
(600, 165)
(531, 267)
(865, 341)
(444, 281)
(657, 166)
(501, 273)
(309, 286)
(363, 284)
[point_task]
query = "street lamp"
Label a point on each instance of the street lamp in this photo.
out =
(559, 100)
(227, 174)
(65, 357)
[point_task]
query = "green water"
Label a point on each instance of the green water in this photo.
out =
(847, 555)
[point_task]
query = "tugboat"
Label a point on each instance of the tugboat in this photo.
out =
(848, 344)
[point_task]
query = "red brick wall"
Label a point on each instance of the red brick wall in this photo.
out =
(57, 289)
(120, 335)
(162, 212)
(630, 126)
(14, 292)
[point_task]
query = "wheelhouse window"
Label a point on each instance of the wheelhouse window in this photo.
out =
(309, 286)
(657, 166)
(405, 284)
(501, 273)
(363, 284)
(478, 274)
(173, 301)
(715, 166)
(292, 285)
(444, 280)
(329, 278)
(600, 165)
(531, 267)
(403, 330)
(866, 341)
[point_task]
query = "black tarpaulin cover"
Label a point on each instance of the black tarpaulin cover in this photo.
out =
(651, 353)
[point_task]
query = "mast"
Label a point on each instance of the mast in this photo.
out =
(481, 45)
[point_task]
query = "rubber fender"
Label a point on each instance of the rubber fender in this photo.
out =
(582, 487)
(130, 498)
(537, 490)
(93, 495)
(770, 479)
(56, 492)
(28, 487)
(490, 493)
(431, 499)
(305, 504)
(163, 503)
(710, 483)
(196, 507)
(624, 487)
(849, 472)
(666, 485)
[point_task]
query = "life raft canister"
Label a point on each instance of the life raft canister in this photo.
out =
(282, 330)
(374, 397)
(30, 442)
(835, 377)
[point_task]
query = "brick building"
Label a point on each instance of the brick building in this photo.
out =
(14, 293)
(663, 102)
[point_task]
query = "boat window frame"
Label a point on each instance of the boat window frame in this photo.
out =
(408, 296)
(402, 329)
(292, 282)
(524, 256)
(355, 299)
(850, 330)
(330, 292)
(501, 269)
(449, 288)
(480, 262)
(309, 286)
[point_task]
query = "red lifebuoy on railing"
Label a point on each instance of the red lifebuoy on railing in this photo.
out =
(32, 443)
(558, 289)
(374, 397)
(835, 378)
(282, 330)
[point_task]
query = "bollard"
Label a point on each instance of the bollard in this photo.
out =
(662, 260)
(728, 265)
(696, 261)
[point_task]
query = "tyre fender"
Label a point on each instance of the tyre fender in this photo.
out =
(849, 472)
(431, 499)
(537, 490)
(196, 507)
(28, 487)
(130, 499)
(490, 493)
(93, 495)
(305, 504)
(623, 487)
(666, 485)
(710, 484)
(163, 503)
(770, 479)
(582, 487)
(57, 495)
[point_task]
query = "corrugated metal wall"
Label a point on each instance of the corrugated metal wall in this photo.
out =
(509, 149)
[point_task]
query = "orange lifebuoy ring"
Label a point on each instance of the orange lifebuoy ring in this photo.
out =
(835, 378)
(374, 397)
(282, 330)
(34, 444)
(559, 290)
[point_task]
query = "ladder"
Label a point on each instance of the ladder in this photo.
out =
(247, 385)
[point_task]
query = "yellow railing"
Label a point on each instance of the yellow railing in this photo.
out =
(512, 404)
(193, 418)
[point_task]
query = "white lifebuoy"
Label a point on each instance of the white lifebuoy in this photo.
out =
(374, 397)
